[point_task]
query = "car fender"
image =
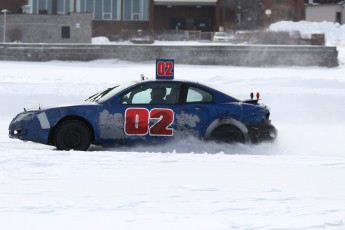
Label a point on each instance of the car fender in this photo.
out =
(227, 121)
(59, 115)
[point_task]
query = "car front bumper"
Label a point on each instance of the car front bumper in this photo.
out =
(28, 127)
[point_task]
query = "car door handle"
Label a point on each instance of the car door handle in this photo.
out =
(199, 108)
(195, 108)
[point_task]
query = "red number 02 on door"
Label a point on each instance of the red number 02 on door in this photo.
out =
(137, 122)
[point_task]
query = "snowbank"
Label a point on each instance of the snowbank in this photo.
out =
(104, 40)
(334, 32)
(100, 40)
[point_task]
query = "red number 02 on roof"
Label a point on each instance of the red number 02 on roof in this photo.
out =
(137, 122)
(165, 69)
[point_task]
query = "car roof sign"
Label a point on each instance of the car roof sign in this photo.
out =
(165, 69)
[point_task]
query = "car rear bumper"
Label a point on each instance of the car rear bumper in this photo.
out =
(262, 132)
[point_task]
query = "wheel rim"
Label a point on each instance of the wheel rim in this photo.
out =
(232, 137)
(73, 139)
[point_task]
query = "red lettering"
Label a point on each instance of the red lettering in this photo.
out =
(162, 126)
(136, 121)
(161, 68)
(169, 68)
(165, 68)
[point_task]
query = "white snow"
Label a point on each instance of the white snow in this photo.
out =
(294, 183)
(100, 40)
(334, 32)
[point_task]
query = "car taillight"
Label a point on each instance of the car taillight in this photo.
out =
(267, 116)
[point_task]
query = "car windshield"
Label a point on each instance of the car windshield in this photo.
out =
(109, 93)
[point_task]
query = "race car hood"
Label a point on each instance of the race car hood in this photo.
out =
(61, 105)
(34, 124)
(49, 115)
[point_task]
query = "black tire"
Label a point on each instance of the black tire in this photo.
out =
(72, 135)
(227, 134)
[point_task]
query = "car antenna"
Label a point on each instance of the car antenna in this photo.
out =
(24, 109)
(143, 77)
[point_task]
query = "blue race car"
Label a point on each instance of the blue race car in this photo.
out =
(146, 111)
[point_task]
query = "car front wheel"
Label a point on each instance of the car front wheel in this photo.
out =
(72, 135)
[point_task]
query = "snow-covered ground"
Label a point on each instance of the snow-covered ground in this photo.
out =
(294, 183)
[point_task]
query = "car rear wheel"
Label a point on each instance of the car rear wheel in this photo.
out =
(72, 135)
(227, 134)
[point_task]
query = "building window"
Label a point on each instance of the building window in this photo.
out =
(85, 6)
(46, 6)
(64, 6)
(338, 17)
(65, 32)
(41, 6)
(101, 9)
(136, 10)
(107, 6)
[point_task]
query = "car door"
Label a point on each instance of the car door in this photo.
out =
(145, 117)
(197, 109)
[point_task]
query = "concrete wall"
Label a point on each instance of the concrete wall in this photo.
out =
(255, 55)
(47, 28)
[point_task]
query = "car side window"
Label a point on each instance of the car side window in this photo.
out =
(196, 95)
(153, 93)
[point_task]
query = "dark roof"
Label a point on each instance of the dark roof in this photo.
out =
(324, 1)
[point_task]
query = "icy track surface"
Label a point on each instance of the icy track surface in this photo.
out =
(295, 183)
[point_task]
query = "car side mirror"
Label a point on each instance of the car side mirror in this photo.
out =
(124, 100)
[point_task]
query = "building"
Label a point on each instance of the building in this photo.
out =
(13, 6)
(113, 17)
(331, 11)
(28, 28)
(322, 1)
(283, 10)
